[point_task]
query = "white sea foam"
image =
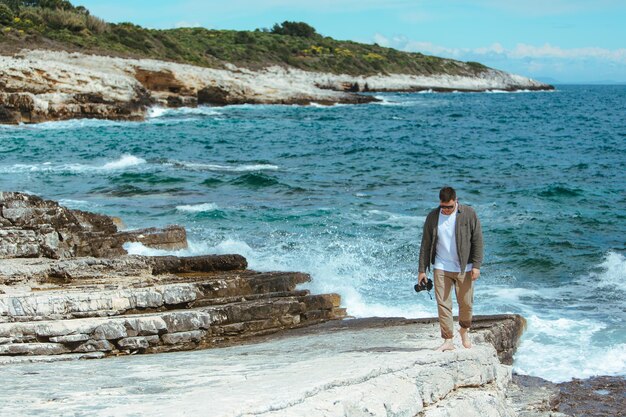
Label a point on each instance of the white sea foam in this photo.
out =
(384, 101)
(512, 294)
(561, 349)
(394, 219)
(198, 208)
(194, 248)
(75, 124)
(195, 166)
(158, 112)
(77, 204)
(124, 162)
(324, 106)
(613, 274)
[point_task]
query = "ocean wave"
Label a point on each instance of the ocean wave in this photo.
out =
(196, 166)
(392, 219)
(77, 204)
(325, 106)
(198, 208)
(158, 112)
(73, 124)
(194, 248)
(384, 101)
(255, 180)
(612, 275)
(125, 161)
(559, 191)
(561, 349)
(514, 295)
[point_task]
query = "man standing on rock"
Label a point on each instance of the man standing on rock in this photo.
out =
(452, 242)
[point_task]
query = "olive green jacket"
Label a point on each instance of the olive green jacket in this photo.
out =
(468, 233)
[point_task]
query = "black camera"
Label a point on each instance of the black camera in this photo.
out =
(424, 286)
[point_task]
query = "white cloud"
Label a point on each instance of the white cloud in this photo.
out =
(565, 64)
(520, 51)
(550, 51)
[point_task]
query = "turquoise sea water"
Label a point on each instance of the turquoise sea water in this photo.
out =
(342, 193)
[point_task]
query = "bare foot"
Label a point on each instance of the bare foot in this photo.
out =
(465, 339)
(447, 345)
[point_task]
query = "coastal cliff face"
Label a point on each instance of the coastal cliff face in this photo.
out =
(38, 86)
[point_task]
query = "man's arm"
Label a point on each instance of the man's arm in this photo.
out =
(477, 249)
(427, 238)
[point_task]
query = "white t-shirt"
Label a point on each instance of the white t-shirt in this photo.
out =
(446, 256)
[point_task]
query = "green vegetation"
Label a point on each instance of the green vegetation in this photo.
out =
(42, 23)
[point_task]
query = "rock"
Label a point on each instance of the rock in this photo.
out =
(133, 343)
(184, 321)
(179, 294)
(183, 337)
(70, 338)
(214, 95)
(33, 349)
(111, 330)
(203, 263)
(503, 332)
(533, 397)
(33, 227)
(149, 325)
(600, 396)
(169, 238)
(95, 346)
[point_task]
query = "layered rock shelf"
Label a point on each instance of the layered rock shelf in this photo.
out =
(39, 85)
(58, 303)
(359, 367)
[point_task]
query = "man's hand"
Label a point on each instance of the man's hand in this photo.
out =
(421, 277)
(475, 274)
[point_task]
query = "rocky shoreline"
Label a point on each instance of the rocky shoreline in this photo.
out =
(39, 85)
(68, 291)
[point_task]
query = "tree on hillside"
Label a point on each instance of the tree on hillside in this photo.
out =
(44, 4)
(294, 29)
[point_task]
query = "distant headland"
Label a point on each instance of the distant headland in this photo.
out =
(58, 62)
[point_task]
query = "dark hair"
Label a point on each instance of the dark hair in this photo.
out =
(447, 194)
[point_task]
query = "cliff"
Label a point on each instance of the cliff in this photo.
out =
(38, 86)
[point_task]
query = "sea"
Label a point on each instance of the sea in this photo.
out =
(341, 192)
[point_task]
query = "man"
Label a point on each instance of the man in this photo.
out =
(452, 242)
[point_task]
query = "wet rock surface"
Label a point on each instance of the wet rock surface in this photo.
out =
(601, 396)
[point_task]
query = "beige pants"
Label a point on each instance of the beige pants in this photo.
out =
(464, 290)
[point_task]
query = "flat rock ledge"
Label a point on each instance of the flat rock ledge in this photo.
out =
(353, 367)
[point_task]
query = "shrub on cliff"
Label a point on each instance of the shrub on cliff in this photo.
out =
(44, 4)
(294, 29)
(6, 14)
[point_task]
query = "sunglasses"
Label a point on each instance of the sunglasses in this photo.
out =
(447, 207)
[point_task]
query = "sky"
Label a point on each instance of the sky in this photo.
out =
(564, 41)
